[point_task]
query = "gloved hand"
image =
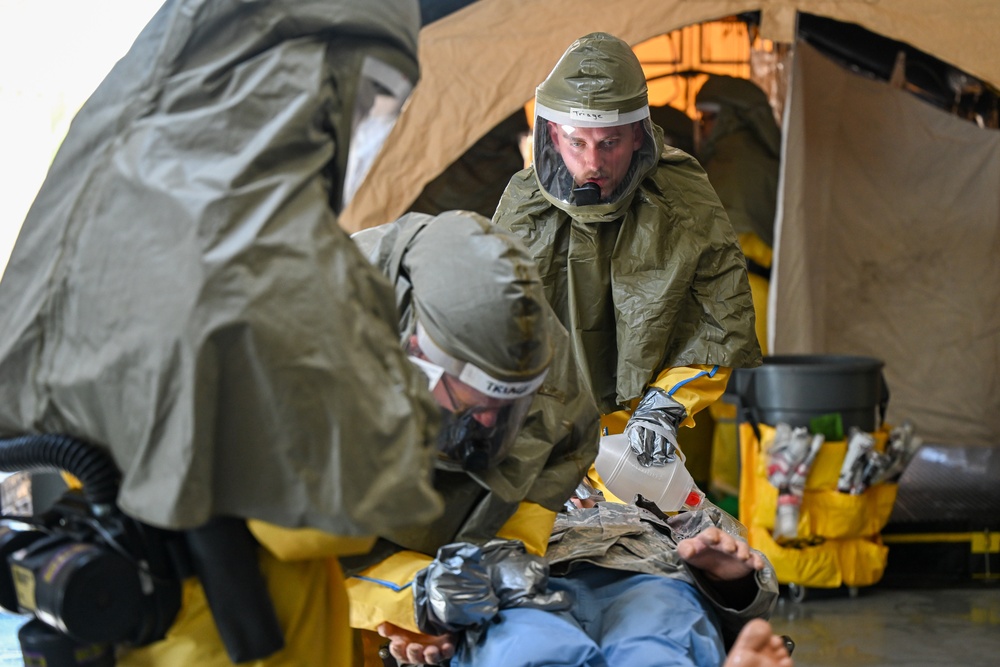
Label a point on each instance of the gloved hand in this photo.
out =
(652, 428)
(521, 579)
(585, 495)
(465, 586)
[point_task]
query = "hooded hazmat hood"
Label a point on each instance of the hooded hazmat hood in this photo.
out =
(181, 292)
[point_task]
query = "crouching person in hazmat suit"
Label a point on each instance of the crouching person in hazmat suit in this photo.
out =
(519, 431)
(739, 144)
(485, 590)
(182, 298)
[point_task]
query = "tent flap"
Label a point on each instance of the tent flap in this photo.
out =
(888, 244)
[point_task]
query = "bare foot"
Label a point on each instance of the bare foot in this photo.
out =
(758, 646)
(719, 555)
(416, 648)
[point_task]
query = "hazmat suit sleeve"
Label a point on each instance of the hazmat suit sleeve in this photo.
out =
(695, 387)
(384, 591)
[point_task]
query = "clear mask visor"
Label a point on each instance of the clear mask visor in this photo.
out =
(382, 92)
(584, 158)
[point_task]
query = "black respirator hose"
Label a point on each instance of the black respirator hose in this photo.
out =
(92, 465)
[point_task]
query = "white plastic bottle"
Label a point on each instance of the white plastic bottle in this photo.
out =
(669, 486)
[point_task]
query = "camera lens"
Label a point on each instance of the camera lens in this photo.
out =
(88, 591)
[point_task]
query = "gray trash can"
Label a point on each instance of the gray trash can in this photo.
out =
(797, 388)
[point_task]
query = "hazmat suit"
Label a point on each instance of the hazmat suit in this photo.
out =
(476, 295)
(739, 144)
(182, 295)
(740, 152)
(644, 270)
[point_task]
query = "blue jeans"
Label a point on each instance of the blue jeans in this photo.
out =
(619, 619)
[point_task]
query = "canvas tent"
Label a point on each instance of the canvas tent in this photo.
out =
(889, 244)
(482, 62)
(890, 217)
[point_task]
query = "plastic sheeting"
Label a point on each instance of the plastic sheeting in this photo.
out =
(888, 243)
(181, 294)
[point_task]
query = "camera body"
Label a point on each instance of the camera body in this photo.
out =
(96, 576)
(96, 579)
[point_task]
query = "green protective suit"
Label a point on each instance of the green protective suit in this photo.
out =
(181, 293)
(741, 154)
(558, 441)
(652, 278)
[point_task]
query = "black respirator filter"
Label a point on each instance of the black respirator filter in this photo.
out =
(587, 194)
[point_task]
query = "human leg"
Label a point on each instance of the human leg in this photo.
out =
(531, 638)
(650, 620)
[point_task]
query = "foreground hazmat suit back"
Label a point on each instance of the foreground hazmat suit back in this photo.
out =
(181, 292)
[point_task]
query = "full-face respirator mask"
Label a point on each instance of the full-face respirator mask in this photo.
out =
(481, 414)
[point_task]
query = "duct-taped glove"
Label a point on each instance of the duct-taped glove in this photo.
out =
(466, 586)
(652, 428)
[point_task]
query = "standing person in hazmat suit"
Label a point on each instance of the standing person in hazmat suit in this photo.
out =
(519, 431)
(636, 253)
(739, 145)
(182, 297)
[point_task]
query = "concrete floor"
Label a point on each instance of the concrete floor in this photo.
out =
(10, 651)
(892, 626)
(881, 626)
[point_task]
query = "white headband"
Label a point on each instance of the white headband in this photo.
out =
(579, 117)
(474, 376)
